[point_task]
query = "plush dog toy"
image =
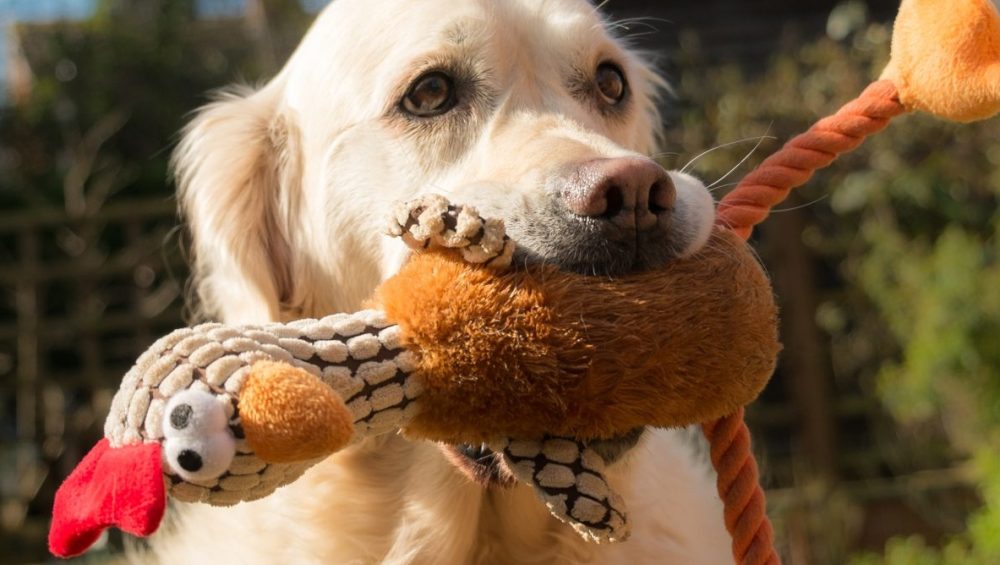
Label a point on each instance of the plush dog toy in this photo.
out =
(540, 364)
(533, 362)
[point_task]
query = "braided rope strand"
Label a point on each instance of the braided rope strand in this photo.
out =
(795, 163)
(746, 206)
(739, 487)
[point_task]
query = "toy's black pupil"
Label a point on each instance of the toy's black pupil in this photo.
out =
(180, 416)
(189, 460)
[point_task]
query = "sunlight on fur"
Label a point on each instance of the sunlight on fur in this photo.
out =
(286, 190)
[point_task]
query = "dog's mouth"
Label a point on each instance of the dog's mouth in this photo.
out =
(480, 464)
(605, 259)
(584, 247)
(487, 468)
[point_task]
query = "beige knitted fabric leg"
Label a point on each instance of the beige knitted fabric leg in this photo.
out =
(431, 221)
(360, 356)
(569, 478)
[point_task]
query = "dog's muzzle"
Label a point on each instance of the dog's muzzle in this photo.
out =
(607, 217)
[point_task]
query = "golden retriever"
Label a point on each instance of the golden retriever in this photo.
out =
(529, 110)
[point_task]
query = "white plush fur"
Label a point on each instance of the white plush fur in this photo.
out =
(286, 190)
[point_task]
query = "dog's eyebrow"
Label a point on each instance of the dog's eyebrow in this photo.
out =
(457, 33)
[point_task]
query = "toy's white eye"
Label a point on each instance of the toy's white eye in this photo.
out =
(194, 412)
(198, 444)
(200, 459)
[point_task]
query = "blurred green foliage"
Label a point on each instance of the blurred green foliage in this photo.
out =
(906, 231)
(85, 285)
(979, 545)
(109, 95)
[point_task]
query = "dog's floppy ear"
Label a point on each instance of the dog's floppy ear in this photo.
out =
(235, 167)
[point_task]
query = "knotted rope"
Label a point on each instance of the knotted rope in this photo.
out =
(746, 206)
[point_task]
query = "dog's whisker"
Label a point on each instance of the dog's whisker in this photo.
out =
(716, 187)
(596, 11)
(716, 247)
(760, 261)
(664, 154)
(699, 156)
(744, 159)
(800, 206)
(638, 35)
(623, 23)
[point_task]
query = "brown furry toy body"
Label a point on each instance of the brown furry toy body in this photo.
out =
(539, 364)
(534, 351)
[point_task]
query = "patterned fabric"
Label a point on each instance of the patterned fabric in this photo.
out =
(568, 476)
(361, 357)
(358, 355)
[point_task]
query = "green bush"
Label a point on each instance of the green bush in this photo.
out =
(906, 232)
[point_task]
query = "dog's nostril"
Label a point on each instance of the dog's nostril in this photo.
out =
(614, 202)
(629, 192)
(654, 203)
(662, 196)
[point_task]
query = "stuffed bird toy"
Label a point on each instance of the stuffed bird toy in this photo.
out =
(539, 364)
(533, 362)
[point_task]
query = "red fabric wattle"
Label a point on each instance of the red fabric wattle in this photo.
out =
(120, 486)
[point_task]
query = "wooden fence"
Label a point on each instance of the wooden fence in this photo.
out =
(80, 297)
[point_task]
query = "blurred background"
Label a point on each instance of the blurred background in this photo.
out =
(878, 436)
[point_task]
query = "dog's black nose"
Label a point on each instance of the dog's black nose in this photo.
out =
(629, 192)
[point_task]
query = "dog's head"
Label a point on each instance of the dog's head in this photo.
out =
(530, 111)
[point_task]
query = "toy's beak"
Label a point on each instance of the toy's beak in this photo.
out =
(112, 486)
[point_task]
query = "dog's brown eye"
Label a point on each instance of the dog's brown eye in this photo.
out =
(431, 95)
(611, 83)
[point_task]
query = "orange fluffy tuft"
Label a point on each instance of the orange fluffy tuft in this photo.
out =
(946, 58)
(289, 415)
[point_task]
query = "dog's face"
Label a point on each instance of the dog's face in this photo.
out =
(529, 111)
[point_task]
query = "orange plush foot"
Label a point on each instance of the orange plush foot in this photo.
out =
(946, 58)
(289, 415)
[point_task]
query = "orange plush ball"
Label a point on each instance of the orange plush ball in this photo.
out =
(946, 58)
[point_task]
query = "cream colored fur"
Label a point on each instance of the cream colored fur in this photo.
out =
(286, 190)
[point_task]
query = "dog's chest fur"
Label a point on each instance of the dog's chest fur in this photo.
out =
(399, 502)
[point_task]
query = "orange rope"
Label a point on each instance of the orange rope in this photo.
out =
(739, 488)
(746, 206)
(794, 164)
